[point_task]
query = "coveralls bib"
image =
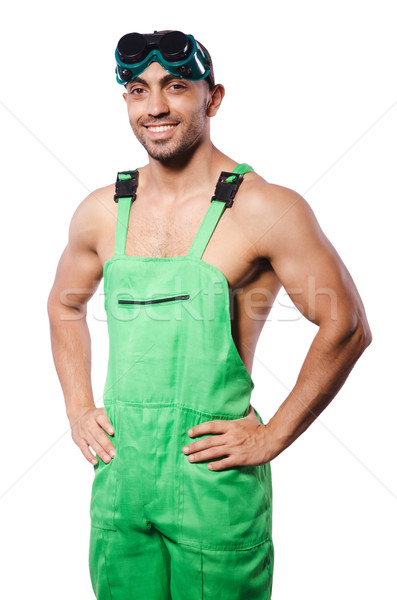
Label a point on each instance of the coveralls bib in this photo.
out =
(162, 527)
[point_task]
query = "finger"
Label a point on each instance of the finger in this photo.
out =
(101, 445)
(225, 463)
(104, 422)
(208, 442)
(208, 454)
(100, 434)
(219, 426)
(84, 447)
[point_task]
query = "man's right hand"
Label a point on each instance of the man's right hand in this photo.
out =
(88, 429)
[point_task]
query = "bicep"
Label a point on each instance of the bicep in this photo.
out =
(79, 270)
(307, 265)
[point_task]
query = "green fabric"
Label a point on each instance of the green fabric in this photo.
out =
(162, 527)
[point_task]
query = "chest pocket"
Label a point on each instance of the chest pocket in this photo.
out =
(129, 302)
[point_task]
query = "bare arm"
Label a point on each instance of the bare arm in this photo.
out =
(77, 277)
(321, 287)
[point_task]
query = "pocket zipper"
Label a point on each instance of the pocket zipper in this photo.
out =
(155, 300)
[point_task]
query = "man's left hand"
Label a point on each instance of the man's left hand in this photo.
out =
(242, 441)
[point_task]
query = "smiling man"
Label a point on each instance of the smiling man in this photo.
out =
(181, 502)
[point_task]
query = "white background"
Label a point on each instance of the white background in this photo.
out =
(311, 103)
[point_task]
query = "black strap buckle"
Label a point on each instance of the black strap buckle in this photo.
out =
(126, 188)
(225, 191)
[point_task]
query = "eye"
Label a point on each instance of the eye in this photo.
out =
(178, 86)
(136, 90)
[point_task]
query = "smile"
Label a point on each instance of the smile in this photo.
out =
(159, 128)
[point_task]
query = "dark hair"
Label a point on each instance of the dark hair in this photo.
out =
(211, 75)
(210, 84)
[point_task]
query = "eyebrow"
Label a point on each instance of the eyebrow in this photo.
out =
(163, 81)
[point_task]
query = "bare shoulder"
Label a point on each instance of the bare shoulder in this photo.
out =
(271, 213)
(262, 199)
(79, 268)
(91, 216)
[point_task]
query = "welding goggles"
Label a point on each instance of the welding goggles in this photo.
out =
(177, 53)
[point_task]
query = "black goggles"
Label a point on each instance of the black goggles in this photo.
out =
(176, 52)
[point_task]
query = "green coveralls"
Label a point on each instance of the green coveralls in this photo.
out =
(162, 527)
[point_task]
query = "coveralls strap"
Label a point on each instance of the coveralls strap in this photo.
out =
(204, 232)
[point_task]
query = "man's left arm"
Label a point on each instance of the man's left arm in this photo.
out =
(283, 229)
(320, 286)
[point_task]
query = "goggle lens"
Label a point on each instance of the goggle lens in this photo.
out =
(131, 48)
(175, 46)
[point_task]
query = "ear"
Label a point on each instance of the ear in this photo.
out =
(125, 96)
(215, 100)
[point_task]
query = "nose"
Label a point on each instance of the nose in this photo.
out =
(157, 104)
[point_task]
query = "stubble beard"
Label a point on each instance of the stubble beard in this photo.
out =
(169, 149)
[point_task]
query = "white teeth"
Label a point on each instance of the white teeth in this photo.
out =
(161, 128)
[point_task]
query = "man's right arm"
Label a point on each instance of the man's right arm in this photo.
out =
(78, 275)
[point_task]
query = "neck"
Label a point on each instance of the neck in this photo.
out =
(173, 180)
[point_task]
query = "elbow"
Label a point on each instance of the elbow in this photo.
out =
(58, 310)
(368, 340)
(360, 337)
(50, 305)
(54, 305)
(364, 338)
(367, 336)
(363, 331)
(352, 332)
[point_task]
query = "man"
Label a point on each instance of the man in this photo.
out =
(181, 502)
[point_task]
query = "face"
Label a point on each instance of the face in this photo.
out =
(168, 115)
